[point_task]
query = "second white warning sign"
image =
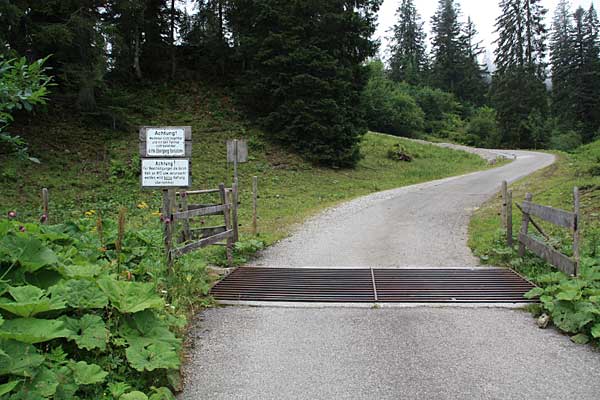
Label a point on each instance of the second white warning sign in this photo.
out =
(165, 173)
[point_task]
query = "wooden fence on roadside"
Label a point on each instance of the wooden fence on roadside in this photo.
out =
(555, 216)
(182, 236)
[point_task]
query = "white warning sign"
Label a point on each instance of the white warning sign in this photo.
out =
(168, 142)
(165, 173)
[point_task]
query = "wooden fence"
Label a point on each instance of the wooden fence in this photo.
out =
(562, 218)
(179, 226)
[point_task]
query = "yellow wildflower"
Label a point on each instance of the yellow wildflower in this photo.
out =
(143, 205)
(90, 213)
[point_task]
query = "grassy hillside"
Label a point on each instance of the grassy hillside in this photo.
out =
(88, 165)
(573, 303)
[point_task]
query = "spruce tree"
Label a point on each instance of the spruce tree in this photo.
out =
(473, 87)
(408, 61)
(518, 87)
(446, 47)
(561, 59)
(306, 73)
(586, 72)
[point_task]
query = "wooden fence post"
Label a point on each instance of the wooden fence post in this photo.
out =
(524, 226)
(225, 202)
(254, 205)
(45, 205)
(167, 232)
(509, 221)
(234, 210)
(504, 202)
(576, 229)
(186, 223)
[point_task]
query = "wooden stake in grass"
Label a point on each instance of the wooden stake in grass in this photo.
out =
(120, 235)
(254, 205)
(45, 206)
(100, 228)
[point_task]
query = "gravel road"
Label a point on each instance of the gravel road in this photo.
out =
(420, 226)
(389, 353)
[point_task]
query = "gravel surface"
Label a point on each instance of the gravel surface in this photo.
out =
(423, 353)
(389, 353)
(419, 226)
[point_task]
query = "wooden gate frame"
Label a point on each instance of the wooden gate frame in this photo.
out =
(565, 219)
(198, 238)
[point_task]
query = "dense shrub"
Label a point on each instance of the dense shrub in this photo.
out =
(388, 108)
(482, 129)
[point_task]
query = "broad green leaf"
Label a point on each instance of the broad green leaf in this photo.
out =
(568, 295)
(146, 328)
(130, 297)
(66, 386)
(29, 252)
(596, 331)
(580, 338)
(162, 393)
(21, 359)
(535, 292)
(8, 387)
(174, 378)
(33, 330)
(152, 356)
(81, 294)
(87, 374)
(80, 271)
(44, 383)
(30, 301)
(134, 396)
(89, 332)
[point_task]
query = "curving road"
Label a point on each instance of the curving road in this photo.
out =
(389, 353)
(420, 226)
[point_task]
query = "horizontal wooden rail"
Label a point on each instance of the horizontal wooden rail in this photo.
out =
(212, 210)
(178, 252)
(552, 256)
(554, 215)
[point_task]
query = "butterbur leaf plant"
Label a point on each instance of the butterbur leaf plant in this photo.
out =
(69, 328)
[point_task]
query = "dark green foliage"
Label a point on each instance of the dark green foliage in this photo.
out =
(518, 88)
(389, 107)
(305, 79)
(482, 129)
(22, 86)
(70, 326)
(399, 153)
(408, 61)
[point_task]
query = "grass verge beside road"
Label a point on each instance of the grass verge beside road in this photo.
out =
(572, 303)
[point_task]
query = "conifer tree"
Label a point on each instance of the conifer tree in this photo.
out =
(446, 47)
(306, 73)
(408, 61)
(561, 59)
(518, 87)
(586, 72)
(473, 87)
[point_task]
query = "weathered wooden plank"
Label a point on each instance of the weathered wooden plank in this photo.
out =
(242, 150)
(234, 211)
(225, 202)
(552, 256)
(577, 228)
(254, 205)
(509, 221)
(524, 225)
(186, 222)
(550, 214)
(504, 202)
(194, 192)
(212, 210)
(202, 243)
(45, 206)
(167, 229)
(202, 233)
(144, 151)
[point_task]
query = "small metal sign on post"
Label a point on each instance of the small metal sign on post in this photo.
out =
(165, 156)
(237, 152)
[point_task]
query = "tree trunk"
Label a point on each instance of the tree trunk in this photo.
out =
(136, 55)
(173, 46)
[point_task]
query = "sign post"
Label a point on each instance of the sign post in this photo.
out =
(165, 156)
(237, 152)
